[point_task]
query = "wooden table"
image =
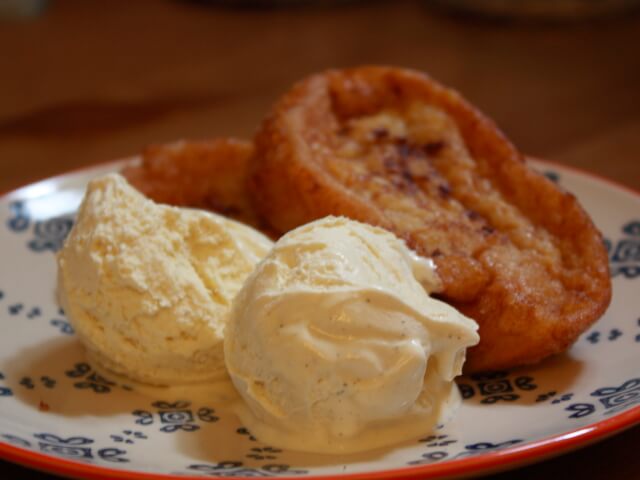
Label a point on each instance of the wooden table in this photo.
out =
(87, 82)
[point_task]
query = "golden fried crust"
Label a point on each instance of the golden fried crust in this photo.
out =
(393, 148)
(207, 174)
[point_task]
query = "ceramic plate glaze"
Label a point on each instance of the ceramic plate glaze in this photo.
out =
(57, 413)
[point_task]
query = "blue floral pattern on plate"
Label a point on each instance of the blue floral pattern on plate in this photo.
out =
(624, 253)
(47, 383)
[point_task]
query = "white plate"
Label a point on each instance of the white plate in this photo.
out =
(58, 414)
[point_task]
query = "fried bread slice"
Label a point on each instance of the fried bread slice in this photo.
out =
(209, 174)
(394, 148)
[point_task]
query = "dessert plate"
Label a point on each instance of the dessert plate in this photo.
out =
(59, 414)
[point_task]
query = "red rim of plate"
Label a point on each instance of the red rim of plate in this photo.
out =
(493, 461)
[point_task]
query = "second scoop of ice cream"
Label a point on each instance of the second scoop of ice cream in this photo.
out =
(336, 346)
(147, 287)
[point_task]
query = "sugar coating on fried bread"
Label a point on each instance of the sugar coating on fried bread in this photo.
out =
(393, 148)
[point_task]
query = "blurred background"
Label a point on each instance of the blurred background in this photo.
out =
(84, 82)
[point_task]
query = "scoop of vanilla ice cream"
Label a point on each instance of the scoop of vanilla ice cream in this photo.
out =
(336, 346)
(148, 287)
